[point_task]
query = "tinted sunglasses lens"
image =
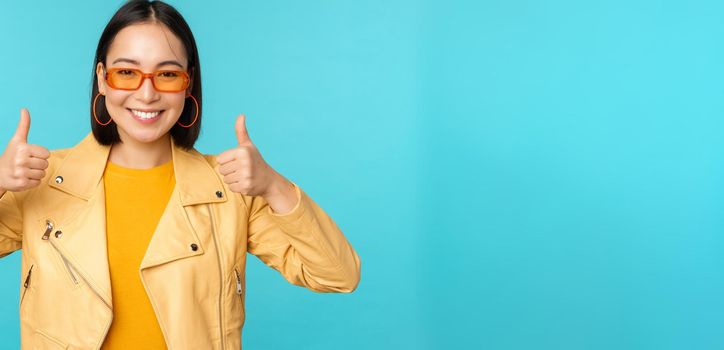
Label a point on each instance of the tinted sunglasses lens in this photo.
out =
(170, 81)
(124, 79)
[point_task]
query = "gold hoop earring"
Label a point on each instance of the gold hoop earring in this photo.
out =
(195, 117)
(95, 99)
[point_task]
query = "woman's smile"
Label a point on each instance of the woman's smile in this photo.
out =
(145, 116)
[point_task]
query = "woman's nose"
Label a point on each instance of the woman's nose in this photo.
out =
(147, 93)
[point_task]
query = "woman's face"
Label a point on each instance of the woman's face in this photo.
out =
(148, 47)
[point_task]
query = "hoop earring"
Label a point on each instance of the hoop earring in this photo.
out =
(110, 119)
(195, 117)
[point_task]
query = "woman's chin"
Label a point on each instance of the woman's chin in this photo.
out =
(142, 136)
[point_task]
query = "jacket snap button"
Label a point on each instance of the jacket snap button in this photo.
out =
(219, 194)
(58, 234)
(59, 179)
(194, 247)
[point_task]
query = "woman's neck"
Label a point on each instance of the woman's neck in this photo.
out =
(141, 155)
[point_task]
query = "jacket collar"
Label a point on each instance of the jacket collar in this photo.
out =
(82, 171)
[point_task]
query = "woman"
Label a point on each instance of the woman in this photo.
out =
(132, 238)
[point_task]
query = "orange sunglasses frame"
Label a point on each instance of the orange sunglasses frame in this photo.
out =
(149, 76)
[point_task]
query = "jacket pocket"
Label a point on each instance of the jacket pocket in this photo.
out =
(71, 273)
(43, 341)
(63, 264)
(234, 304)
(239, 286)
(26, 284)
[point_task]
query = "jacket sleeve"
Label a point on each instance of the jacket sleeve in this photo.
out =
(11, 224)
(304, 245)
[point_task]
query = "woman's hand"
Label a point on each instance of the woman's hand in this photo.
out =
(246, 172)
(22, 165)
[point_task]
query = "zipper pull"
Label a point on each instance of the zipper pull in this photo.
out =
(27, 279)
(238, 282)
(48, 228)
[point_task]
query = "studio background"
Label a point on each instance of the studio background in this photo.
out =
(513, 174)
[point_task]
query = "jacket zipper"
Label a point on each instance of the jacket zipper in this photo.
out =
(26, 284)
(46, 235)
(69, 269)
(68, 264)
(221, 279)
(238, 283)
(48, 228)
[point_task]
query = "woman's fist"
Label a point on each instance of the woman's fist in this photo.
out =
(243, 168)
(22, 165)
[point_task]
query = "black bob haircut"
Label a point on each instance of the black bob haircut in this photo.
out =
(143, 11)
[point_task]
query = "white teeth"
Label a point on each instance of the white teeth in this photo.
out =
(145, 115)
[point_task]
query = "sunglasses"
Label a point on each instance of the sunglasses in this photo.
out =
(132, 79)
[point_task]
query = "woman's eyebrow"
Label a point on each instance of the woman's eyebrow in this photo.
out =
(128, 60)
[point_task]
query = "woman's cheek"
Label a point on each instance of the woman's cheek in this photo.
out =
(114, 105)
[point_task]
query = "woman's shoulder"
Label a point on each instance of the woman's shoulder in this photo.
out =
(56, 157)
(211, 159)
(60, 153)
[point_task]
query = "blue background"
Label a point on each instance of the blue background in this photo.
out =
(513, 174)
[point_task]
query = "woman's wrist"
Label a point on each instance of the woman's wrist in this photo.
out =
(281, 196)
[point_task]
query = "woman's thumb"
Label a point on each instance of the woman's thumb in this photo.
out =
(21, 133)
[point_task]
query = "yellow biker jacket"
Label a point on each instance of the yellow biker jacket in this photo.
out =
(193, 269)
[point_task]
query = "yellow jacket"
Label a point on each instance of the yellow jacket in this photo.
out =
(193, 270)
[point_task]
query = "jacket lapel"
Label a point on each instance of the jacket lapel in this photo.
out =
(83, 241)
(197, 183)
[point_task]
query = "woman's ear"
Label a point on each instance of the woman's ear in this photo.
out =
(101, 77)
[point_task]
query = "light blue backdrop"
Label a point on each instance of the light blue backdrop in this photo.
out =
(513, 174)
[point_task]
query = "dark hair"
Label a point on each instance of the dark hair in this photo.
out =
(143, 11)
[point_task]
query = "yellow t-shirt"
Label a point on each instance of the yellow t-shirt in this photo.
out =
(135, 200)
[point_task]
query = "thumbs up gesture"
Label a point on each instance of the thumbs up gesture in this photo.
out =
(243, 168)
(22, 165)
